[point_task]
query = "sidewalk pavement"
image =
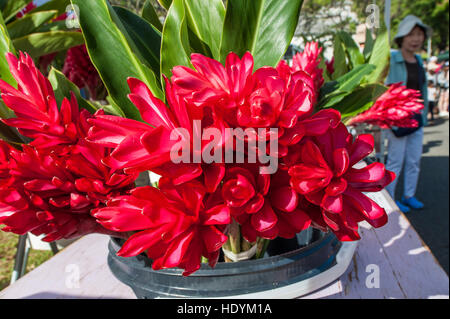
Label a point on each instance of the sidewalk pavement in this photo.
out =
(432, 222)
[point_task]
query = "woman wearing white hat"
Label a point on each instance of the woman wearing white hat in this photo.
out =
(405, 144)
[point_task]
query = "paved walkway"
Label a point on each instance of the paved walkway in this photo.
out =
(432, 222)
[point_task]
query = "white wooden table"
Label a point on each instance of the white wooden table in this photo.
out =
(389, 262)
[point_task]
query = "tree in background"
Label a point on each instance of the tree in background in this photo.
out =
(321, 19)
(432, 12)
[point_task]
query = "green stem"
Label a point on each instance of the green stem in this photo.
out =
(234, 236)
(262, 247)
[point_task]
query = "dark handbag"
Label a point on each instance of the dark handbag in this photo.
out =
(404, 131)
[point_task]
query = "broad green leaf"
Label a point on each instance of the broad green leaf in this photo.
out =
(29, 23)
(263, 27)
(205, 20)
(144, 36)
(149, 14)
(165, 3)
(175, 48)
(333, 92)
(12, 8)
(112, 56)
(380, 57)
(5, 46)
(53, 26)
(360, 100)
(62, 87)
(340, 58)
(38, 44)
(352, 49)
(368, 44)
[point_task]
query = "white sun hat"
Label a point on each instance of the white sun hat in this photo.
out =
(408, 23)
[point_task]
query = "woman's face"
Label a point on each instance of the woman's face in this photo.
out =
(413, 42)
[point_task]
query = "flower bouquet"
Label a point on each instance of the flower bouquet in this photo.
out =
(248, 147)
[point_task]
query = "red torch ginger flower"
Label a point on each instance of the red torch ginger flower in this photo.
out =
(267, 98)
(396, 107)
(308, 61)
(51, 186)
(270, 97)
(326, 177)
(176, 225)
(141, 146)
(35, 106)
(264, 205)
(79, 69)
(52, 195)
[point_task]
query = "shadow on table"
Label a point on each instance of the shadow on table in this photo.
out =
(407, 270)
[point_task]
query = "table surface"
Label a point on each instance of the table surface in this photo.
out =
(389, 262)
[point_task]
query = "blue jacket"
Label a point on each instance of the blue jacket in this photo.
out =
(397, 73)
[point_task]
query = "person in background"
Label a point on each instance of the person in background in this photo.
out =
(405, 144)
(432, 97)
(443, 84)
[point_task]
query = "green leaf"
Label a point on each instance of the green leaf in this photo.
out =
(29, 23)
(5, 46)
(205, 20)
(352, 49)
(53, 26)
(380, 57)
(165, 3)
(12, 8)
(43, 43)
(175, 48)
(149, 14)
(340, 58)
(263, 27)
(360, 100)
(112, 55)
(62, 88)
(146, 39)
(368, 44)
(333, 92)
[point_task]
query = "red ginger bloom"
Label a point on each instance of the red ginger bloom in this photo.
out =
(267, 98)
(396, 107)
(308, 61)
(176, 225)
(52, 195)
(323, 172)
(141, 146)
(264, 205)
(270, 97)
(79, 69)
(35, 106)
(45, 189)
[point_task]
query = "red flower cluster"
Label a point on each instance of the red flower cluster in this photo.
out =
(79, 69)
(51, 186)
(396, 107)
(186, 217)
